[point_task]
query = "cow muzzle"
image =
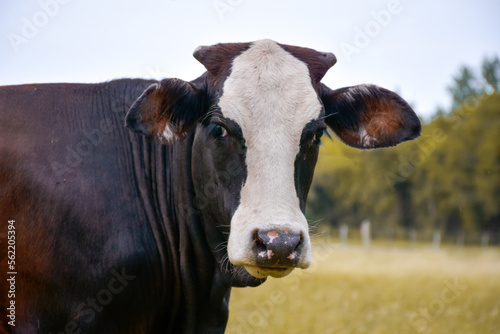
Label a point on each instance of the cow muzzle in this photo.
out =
(274, 252)
(277, 252)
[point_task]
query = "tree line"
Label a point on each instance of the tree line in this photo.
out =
(447, 180)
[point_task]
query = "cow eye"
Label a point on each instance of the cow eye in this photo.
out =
(317, 136)
(219, 131)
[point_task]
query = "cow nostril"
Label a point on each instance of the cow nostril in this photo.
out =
(256, 238)
(259, 243)
(299, 242)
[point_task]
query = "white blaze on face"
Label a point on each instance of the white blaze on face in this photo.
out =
(270, 95)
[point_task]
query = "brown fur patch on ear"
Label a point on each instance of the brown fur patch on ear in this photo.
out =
(143, 114)
(153, 112)
(170, 108)
(383, 119)
(368, 116)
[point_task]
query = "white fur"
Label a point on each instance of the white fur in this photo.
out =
(270, 95)
(168, 134)
(364, 90)
(365, 139)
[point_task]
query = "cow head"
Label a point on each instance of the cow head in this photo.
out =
(257, 117)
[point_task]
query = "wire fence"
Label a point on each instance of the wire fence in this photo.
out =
(366, 234)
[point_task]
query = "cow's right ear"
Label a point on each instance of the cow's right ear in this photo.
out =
(368, 116)
(167, 110)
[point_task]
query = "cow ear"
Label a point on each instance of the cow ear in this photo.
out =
(168, 110)
(367, 116)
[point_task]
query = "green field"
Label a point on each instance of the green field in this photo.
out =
(377, 290)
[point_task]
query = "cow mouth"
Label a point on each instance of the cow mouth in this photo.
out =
(263, 272)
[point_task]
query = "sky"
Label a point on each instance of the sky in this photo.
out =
(412, 47)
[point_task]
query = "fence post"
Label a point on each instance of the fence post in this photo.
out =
(390, 234)
(365, 233)
(413, 237)
(485, 239)
(343, 230)
(436, 239)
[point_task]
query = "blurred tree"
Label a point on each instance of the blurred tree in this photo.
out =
(487, 168)
(491, 72)
(440, 111)
(465, 85)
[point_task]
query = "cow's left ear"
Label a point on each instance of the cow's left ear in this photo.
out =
(167, 110)
(367, 116)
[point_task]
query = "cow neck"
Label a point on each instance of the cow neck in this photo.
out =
(205, 288)
(150, 182)
(197, 290)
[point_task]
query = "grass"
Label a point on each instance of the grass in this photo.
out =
(377, 290)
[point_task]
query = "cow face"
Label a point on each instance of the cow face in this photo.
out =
(258, 115)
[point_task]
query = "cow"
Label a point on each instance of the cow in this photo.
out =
(144, 228)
